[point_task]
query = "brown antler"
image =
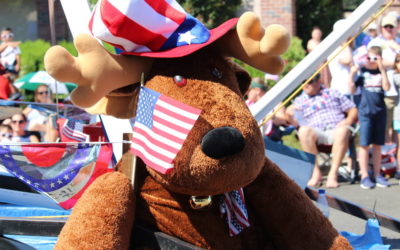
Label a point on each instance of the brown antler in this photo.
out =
(96, 71)
(255, 46)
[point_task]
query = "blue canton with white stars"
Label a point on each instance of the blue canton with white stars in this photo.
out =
(147, 102)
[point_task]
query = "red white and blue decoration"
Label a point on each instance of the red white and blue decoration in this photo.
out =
(61, 171)
(161, 126)
(72, 131)
(152, 28)
(233, 206)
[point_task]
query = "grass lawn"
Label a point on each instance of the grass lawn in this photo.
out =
(291, 141)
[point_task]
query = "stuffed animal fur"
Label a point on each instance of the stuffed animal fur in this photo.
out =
(223, 152)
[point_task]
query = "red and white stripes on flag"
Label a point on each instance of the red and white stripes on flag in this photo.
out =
(72, 131)
(233, 206)
(136, 25)
(160, 128)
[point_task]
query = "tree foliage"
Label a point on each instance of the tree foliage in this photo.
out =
(321, 13)
(211, 12)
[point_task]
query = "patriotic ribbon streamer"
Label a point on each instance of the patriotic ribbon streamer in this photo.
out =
(233, 206)
(58, 170)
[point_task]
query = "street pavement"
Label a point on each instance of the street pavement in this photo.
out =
(387, 203)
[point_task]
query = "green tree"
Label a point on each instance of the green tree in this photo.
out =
(32, 55)
(321, 13)
(350, 5)
(293, 55)
(212, 12)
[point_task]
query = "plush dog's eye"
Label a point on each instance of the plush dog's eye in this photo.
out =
(180, 81)
(216, 73)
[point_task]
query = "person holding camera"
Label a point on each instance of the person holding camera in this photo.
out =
(373, 80)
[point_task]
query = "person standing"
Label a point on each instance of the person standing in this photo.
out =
(10, 56)
(373, 81)
(389, 45)
(316, 35)
(372, 32)
(339, 66)
(396, 115)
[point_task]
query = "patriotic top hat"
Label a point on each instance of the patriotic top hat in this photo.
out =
(152, 28)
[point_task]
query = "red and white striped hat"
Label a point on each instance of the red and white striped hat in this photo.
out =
(152, 28)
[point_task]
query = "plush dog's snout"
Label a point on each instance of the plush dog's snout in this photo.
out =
(221, 142)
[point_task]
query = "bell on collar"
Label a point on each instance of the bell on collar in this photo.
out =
(199, 202)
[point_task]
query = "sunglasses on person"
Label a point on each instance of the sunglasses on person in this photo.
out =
(388, 27)
(313, 81)
(8, 35)
(43, 93)
(6, 135)
(372, 58)
(18, 121)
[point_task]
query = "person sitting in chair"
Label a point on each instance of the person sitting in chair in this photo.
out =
(323, 116)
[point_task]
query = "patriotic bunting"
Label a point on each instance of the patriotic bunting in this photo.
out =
(61, 171)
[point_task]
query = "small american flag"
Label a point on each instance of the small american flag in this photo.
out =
(232, 204)
(72, 131)
(160, 128)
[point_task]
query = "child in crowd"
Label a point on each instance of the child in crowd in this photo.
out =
(372, 115)
(9, 57)
(396, 116)
(5, 133)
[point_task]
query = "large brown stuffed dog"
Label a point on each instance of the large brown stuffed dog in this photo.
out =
(223, 152)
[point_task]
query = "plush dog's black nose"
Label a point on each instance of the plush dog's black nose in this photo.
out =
(221, 142)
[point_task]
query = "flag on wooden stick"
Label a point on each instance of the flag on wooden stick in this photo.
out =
(72, 131)
(160, 128)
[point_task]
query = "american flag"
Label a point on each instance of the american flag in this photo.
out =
(160, 128)
(232, 204)
(72, 131)
(162, 24)
(61, 171)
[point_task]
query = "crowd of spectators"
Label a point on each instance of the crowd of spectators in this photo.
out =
(22, 119)
(361, 92)
(360, 86)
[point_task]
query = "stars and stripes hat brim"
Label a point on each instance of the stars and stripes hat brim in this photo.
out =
(152, 28)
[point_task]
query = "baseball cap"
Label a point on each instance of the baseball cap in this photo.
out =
(254, 85)
(372, 26)
(389, 20)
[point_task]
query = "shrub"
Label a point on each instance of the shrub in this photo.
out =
(292, 57)
(69, 46)
(32, 53)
